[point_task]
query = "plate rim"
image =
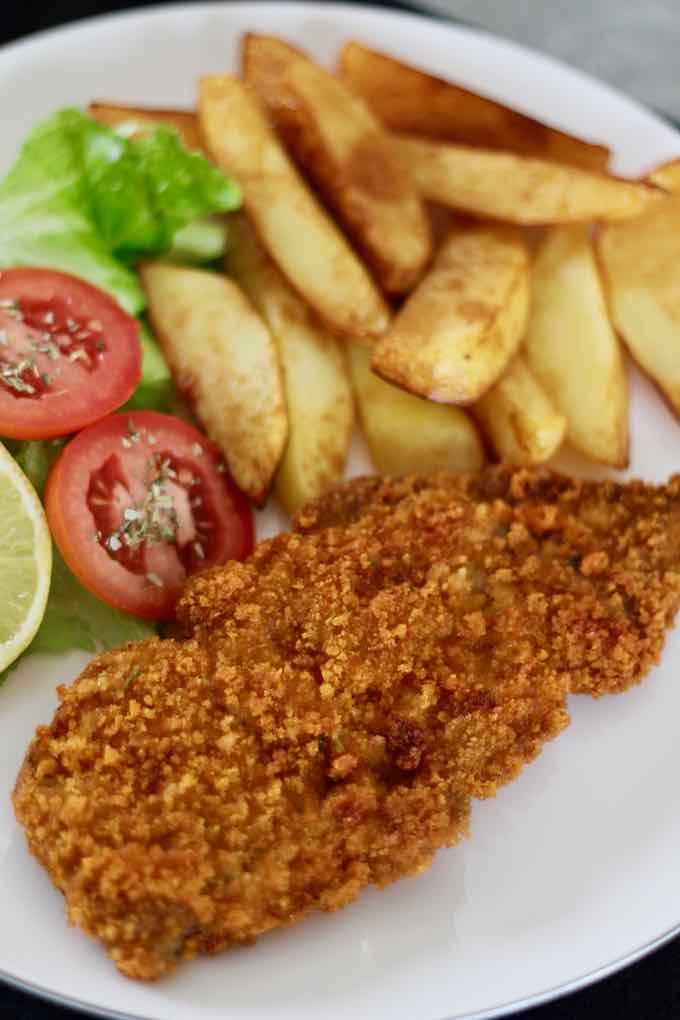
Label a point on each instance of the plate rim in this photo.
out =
(506, 1009)
(199, 9)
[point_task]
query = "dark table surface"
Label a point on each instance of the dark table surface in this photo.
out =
(648, 990)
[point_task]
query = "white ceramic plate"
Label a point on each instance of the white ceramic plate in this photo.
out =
(571, 871)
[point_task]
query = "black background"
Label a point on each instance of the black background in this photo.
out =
(649, 990)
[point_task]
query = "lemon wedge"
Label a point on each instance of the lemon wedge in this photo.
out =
(25, 560)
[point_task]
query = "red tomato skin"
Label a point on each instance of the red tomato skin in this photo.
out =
(111, 382)
(73, 527)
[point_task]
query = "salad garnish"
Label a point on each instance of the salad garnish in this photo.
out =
(79, 209)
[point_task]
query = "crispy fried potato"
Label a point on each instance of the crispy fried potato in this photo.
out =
(318, 393)
(457, 331)
(348, 155)
(641, 269)
(442, 221)
(518, 189)
(224, 361)
(300, 237)
(667, 176)
(572, 349)
(519, 418)
(139, 120)
(406, 434)
(411, 102)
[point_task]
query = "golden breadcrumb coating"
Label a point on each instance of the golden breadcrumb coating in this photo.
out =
(334, 702)
(605, 555)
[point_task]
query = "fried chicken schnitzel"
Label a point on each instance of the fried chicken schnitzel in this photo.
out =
(336, 701)
(605, 555)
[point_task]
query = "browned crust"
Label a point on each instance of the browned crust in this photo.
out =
(409, 100)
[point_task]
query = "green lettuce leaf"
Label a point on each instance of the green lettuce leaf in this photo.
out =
(183, 186)
(81, 254)
(35, 458)
(46, 216)
(76, 619)
(85, 200)
(201, 241)
(156, 389)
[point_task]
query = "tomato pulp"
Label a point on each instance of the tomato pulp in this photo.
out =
(138, 502)
(69, 354)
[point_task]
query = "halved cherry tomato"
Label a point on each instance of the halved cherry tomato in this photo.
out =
(69, 354)
(138, 502)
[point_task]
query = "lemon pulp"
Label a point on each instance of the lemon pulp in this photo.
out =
(25, 560)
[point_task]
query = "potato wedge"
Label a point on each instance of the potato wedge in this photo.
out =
(346, 152)
(224, 361)
(411, 102)
(519, 189)
(138, 120)
(318, 393)
(641, 268)
(572, 349)
(667, 176)
(519, 418)
(406, 434)
(298, 234)
(457, 331)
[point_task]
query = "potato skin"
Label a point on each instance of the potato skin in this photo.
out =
(572, 348)
(224, 360)
(405, 433)
(294, 228)
(350, 158)
(520, 420)
(459, 328)
(318, 394)
(408, 100)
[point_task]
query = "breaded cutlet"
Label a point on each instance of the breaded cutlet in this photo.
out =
(333, 704)
(606, 554)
